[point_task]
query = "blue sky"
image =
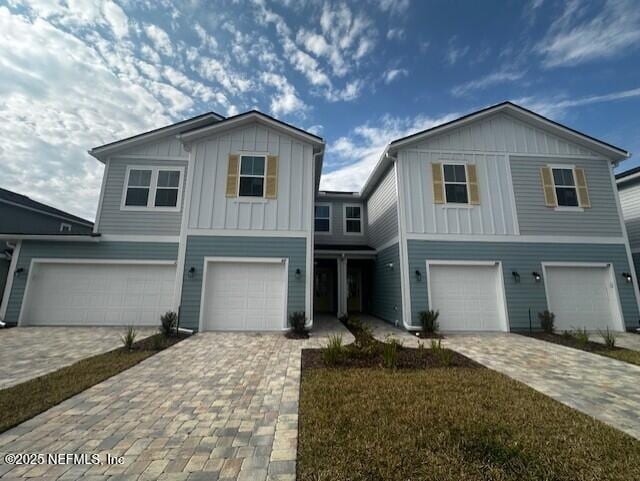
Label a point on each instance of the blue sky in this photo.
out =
(75, 74)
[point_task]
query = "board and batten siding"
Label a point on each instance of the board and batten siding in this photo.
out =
(535, 218)
(115, 221)
(199, 247)
(290, 211)
(81, 250)
(630, 203)
(382, 210)
(493, 216)
(503, 133)
(337, 235)
(524, 258)
(167, 147)
(386, 295)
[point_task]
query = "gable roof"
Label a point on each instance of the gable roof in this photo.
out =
(628, 177)
(102, 151)
(20, 200)
(246, 117)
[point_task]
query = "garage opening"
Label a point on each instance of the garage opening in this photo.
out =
(244, 295)
(583, 297)
(469, 296)
(90, 293)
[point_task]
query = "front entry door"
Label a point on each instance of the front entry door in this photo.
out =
(354, 286)
(323, 289)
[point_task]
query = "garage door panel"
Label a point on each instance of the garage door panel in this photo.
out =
(244, 296)
(469, 297)
(98, 294)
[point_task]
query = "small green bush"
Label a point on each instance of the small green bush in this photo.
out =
(129, 338)
(421, 350)
(335, 351)
(157, 343)
(169, 323)
(390, 352)
(547, 319)
(444, 355)
(582, 336)
(609, 338)
(298, 322)
(429, 321)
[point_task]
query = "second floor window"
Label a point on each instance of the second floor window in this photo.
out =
(565, 186)
(251, 176)
(138, 188)
(322, 218)
(152, 188)
(352, 219)
(167, 188)
(455, 184)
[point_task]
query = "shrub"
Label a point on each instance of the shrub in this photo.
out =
(421, 349)
(609, 338)
(444, 355)
(429, 321)
(129, 338)
(298, 322)
(157, 342)
(390, 353)
(547, 319)
(334, 352)
(582, 336)
(169, 323)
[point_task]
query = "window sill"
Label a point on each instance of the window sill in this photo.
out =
(458, 206)
(150, 209)
(250, 200)
(566, 208)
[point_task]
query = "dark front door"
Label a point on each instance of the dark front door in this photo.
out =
(354, 286)
(323, 289)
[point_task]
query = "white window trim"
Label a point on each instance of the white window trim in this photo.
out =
(65, 227)
(153, 186)
(324, 232)
(253, 198)
(565, 208)
(344, 219)
(455, 205)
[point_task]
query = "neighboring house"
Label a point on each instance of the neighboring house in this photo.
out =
(490, 219)
(629, 192)
(21, 215)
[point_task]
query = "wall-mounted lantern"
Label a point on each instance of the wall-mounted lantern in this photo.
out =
(191, 272)
(298, 273)
(536, 276)
(418, 275)
(18, 271)
(390, 265)
(516, 277)
(627, 277)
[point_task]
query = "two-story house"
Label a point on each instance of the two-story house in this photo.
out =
(629, 191)
(490, 219)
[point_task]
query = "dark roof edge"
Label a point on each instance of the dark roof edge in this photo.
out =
(44, 208)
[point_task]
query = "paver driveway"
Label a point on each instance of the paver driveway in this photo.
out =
(215, 406)
(28, 352)
(604, 388)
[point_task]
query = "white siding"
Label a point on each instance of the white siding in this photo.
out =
(503, 133)
(167, 147)
(630, 202)
(494, 215)
(211, 209)
(382, 210)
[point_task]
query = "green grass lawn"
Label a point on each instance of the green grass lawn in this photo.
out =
(24, 401)
(449, 424)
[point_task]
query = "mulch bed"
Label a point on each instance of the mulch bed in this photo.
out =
(296, 335)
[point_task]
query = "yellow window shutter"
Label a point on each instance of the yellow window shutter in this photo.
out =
(271, 192)
(581, 187)
(548, 187)
(232, 175)
(472, 180)
(438, 183)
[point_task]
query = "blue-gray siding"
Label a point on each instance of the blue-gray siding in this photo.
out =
(4, 271)
(382, 210)
(523, 258)
(199, 247)
(636, 263)
(535, 218)
(386, 302)
(115, 221)
(337, 235)
(630, 202)
(17, 220)
(81, 250)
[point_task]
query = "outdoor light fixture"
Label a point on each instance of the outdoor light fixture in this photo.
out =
(19, 271)
(516, 276)
(418, 275)
(536, 276)
(627, 277)
(298, 273)
(390, 265)
(191, 272)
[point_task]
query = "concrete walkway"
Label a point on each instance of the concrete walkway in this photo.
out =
(215, 406)
(28, 352)
(601, 387)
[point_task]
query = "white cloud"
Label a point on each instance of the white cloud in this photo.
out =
(396, 34)
(351, 158)
(286, 100)
(393, 6)
(116, 18)
(571, 40)
(394, 73)
(160, 39)
(213, 69)
(206, 40)
(487, 81)
(454, 52)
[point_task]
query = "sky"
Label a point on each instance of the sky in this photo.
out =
(79, 73)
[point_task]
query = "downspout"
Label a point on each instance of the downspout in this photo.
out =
(310, 266)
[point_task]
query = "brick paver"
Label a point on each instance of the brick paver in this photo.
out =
(215, 406)
(28, 352)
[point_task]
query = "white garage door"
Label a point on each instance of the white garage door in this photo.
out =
(242, 296)
(98, 294)
(469, 297)
(582, 297)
